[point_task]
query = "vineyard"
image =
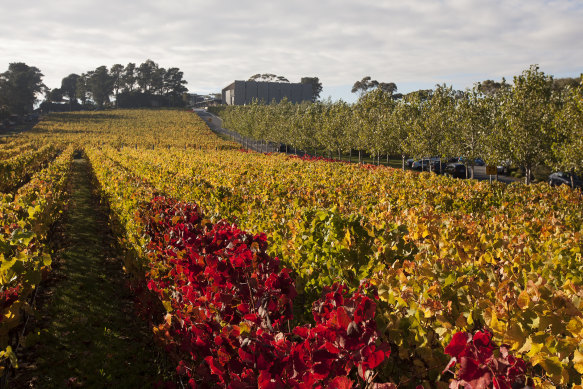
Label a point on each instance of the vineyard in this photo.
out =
(278, 271)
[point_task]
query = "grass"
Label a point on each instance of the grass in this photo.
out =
(86, 333)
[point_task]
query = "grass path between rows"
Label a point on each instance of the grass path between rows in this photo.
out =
(85, 331)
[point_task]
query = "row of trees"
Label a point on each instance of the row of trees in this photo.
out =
(130, 86)
(534, 121)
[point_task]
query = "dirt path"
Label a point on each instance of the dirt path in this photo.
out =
(86, 331)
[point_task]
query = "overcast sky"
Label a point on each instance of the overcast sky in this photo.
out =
(414, 43)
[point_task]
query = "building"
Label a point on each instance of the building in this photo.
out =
(244, 92)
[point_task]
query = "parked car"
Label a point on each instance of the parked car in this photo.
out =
(422, 164)
(477, 161)
(436, 166)
(457, 170)
(409, 162)
(562, 178)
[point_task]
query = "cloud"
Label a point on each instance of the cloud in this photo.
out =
(417, 42)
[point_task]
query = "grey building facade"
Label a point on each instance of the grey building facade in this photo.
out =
(244, 92)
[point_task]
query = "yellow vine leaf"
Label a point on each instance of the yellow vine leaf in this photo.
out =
(578, 361)
(523, 300)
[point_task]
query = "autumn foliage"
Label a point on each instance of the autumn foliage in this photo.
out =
(230, 306)
(481, 364)
(230, 309)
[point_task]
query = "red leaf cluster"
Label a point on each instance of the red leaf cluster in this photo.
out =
(479, 366)
(344, 337)
(7, 297)
(230, 302)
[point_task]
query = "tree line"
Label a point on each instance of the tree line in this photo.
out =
(129, 86)
(535, 120)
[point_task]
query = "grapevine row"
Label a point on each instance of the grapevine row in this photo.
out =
(26, 222)
(18, 169)
(14, 148)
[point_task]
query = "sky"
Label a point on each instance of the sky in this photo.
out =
(414, 43)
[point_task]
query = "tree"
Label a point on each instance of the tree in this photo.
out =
(311, 124)
(268, 77)
(19, 86)
(157, 81)
(527, 112)
(352, 134)
(364, 85)
(316, 86)
(561, 84)
(334, 118)
(473, 124)
(421, 95)
(367, 84)
(54, 95)
(147, 74)
(129, 77)
(568, 149)
(81, 90)
(282, 121)
(147, 85)
(116, 74)
(301, 132)
(491, 87)
(69, 88)
(100, 85)
(374, 111)
(435, 122)
(262, 127)
(388, 87)
(402, 118)
(174, 85)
